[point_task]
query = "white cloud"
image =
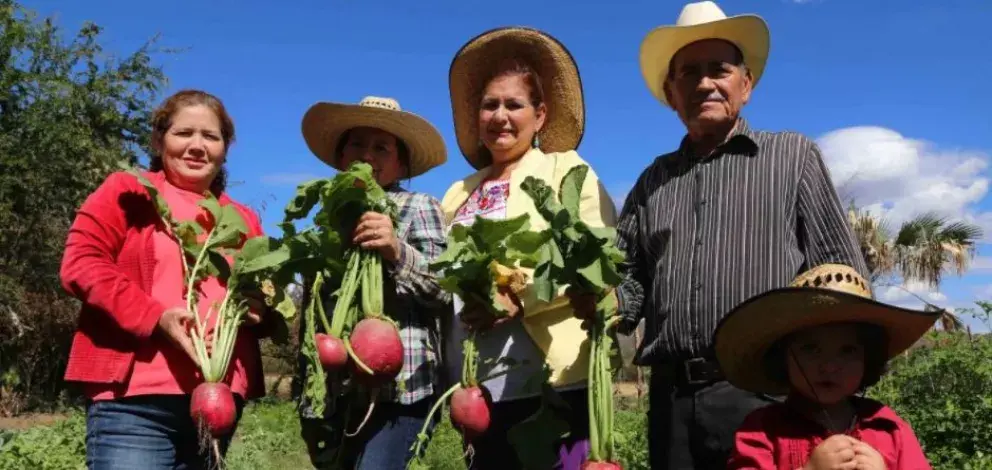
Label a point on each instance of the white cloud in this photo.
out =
(288, 179)
(898, 177)
(910, 294)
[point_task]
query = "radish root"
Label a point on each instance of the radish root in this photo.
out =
(368, 414)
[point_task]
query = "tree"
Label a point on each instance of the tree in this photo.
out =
(923, 249)
(69, 114)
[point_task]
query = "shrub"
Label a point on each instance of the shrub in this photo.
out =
(943, 388)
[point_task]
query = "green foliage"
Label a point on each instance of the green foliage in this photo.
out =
(268, 437)
(470, 266)
(943, 388)
(569, 251)
(69, 113)
(342, 200)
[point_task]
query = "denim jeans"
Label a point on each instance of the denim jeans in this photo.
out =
(153, 432)
(383, 444)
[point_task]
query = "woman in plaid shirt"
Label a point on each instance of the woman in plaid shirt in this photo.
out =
(397, 145)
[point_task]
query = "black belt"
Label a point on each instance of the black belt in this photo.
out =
(692, 372)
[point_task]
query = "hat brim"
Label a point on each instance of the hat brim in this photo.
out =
(325, 123)
(744, 337)
(475, 63)
(748, 32)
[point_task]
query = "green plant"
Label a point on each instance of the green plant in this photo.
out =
(572, 253)
(943, 388)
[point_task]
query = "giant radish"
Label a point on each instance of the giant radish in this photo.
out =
(475, 266)
(207, 245)
(359, 341)
(570, 252)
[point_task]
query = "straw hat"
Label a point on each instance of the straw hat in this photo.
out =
(699, 21)
(829, 293)
(324, 123)
(476, 62)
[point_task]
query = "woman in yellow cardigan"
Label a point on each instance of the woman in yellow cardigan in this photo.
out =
(517, 102)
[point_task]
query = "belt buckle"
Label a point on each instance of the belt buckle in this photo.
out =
(689, 376)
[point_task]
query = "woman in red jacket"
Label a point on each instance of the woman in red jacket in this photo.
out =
(132, 353)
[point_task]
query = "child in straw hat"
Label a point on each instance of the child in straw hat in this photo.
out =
(820, 341)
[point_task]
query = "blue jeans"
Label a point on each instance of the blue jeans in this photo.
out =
(153, 432)
(383, 444)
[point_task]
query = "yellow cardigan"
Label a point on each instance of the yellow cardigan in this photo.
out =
(551, 325)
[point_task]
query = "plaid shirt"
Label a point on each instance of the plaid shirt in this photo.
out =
(418, 300)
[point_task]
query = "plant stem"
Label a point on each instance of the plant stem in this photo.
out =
(190, 294)
(354, 357)
(593, 395)
(422, 435)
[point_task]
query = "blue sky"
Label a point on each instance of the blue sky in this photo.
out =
(896, 91)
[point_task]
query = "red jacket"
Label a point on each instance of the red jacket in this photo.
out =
(108, 264)
(779, 436)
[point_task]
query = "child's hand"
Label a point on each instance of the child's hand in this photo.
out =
(867, 457)
(838, 452)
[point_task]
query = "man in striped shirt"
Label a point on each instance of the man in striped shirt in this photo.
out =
(731, 213)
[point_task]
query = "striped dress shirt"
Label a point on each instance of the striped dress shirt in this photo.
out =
(702, 235)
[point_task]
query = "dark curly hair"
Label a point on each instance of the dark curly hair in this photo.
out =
(162, 121)
(871, 337)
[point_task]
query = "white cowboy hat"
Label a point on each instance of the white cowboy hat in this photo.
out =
(699, 21)
(829, 293)
(325, 123)
(474, 64)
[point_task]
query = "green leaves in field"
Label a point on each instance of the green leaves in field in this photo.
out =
(466, 268)
(569, 251)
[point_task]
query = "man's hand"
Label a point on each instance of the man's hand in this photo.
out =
(583, 304)
(836, 453)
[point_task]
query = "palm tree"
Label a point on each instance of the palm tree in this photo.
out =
(923, 249)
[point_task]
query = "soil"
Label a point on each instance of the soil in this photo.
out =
(29, 420)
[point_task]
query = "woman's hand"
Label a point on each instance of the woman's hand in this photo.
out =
(175, 324)
(375, 232)
(477, 317)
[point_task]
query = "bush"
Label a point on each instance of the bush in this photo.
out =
(35, 336)
(943, 388)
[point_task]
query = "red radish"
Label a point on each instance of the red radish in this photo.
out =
(470, 411)
(590, 465)
(376, 343)
(331, 351)
(212, 406)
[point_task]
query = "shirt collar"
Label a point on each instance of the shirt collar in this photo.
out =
(742, 140)
(870, 413)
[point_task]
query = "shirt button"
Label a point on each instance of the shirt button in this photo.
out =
(697, 286)
(699, 241)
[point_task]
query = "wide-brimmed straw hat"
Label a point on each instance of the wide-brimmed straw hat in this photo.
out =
(699, 21)
(830, 293)
(324, 124)
(478, 61)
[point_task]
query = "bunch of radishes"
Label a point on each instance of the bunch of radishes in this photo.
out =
(205, 244)
(359, 340)
(572, 253)
(475, 266)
